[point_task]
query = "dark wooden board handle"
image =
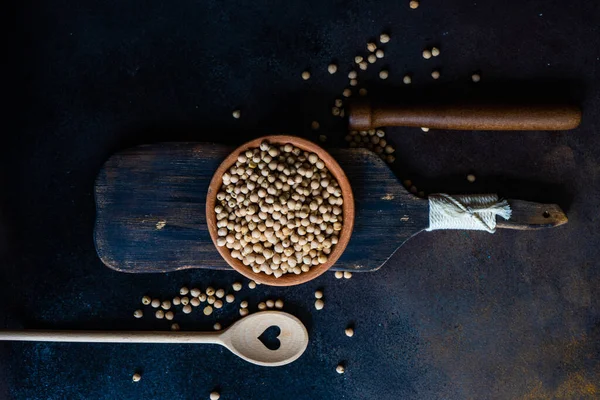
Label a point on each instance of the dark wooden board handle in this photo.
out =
(364, 116)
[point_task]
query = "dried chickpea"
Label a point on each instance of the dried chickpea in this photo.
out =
(237, 286)
(183, 291)
(279, 304)
(138, 313)
(349, 332)
(160, 314)
(384, 38)
(339, 274)
(244, 312)
(146, 300)
(383, 74)
(414, 4)
(169, 315)
(207, 310)
(435, 51)
(262, 306)
(332, 68)
(270, 303)
(136, 377)
(340, 369)
(306, 75)
(187, 309)
(230, 298)
(155, 303)
(217, 326)
(407, 79)
(427, 54)
(319, 304)
(319, 294)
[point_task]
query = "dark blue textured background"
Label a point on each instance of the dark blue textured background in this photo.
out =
(452, 315)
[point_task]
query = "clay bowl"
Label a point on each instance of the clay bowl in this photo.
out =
(347, 208)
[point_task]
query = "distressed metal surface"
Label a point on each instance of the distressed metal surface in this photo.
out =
(453, 315)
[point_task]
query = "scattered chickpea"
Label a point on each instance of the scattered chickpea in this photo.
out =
(220, 293)
(349, 332)
(471, 178)
(435, 51)
(383, 74)
(160, 314)
(371, 47)
(138, 313)
(379, 53)
(339, 274)
(435, 74)
(358, 59)
(236, 114)
(176, 301)
(185, 301)
(353, 82)
(183, 291)
(332, 68)
(195, 292)
(340, 369)
(424, 129)
(202, 297)
(155, 303)
(252, 284)
(407, 79)
(230, 298)
(166, 305)
(475, 78)
(347, 274)
(207, 310)
(270, 303)
(414, 4)
(427, 54)
(315, 125)
(352, 75)
(244, 304)
(195, 302)
(215, 396)
(347, 93)
(372, 58)
(136, 377)
(146, 300)
(363, 66)
(306, 75)
(244, 312)
(169, 315)
(210, 291)
(211, 299)
(187, 309)
(217, 326)
(237, 286)
(262, 306)
(335, 111)
(175, 326)
(279, 304)
(319, 304)
(384, 38)
(319, 293)
(218, 304)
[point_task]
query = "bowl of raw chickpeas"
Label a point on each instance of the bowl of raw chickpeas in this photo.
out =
(280, 210)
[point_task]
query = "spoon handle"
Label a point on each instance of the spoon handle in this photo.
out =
(110, 336)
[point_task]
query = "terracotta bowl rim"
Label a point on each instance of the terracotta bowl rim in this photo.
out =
(347, 208)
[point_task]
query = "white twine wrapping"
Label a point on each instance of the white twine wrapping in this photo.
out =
(473, 212)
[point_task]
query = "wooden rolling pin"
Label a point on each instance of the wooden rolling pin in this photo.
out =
(364, 116)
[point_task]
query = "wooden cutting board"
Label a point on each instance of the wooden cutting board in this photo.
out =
(150, 203)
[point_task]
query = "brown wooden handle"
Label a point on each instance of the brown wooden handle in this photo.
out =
(363, 116)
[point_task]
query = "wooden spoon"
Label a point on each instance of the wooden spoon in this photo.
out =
(241, 338)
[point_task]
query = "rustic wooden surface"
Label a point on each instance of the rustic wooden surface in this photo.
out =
(491, 117)
(348, 211)
(150, 214)
(150, 203)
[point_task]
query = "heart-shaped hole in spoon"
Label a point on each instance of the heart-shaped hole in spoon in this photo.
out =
(270, 337)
